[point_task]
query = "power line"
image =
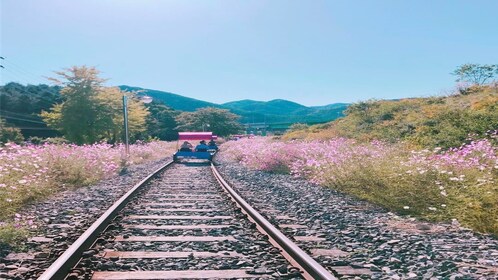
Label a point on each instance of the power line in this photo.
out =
(21, 119)
(13, 68)
(20, 69)
(41, 100)
(34, 128)
(19, 114)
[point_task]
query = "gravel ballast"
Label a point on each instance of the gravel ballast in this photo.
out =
(251, 251)
(360, 241)
(61, 219)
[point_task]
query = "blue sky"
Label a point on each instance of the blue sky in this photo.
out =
(311, 52)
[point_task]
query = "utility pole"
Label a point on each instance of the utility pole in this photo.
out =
(125, 118)
(145, 99)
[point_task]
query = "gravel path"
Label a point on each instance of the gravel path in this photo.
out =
(191, 197)
(62, 218)
(361, 241)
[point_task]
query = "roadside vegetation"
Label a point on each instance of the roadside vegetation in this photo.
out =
(435, 158)
(459, 183)
(54, 138)
(33, 172)
(443, 122)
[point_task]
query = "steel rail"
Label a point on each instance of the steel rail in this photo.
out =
(61, 267)
(302, 258)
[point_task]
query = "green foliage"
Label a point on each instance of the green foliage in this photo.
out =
(220, 121)
(9, 134)
(161, 122)
(21, 105)
(452, 128)
(12, 235)
(429, 122)
(91, 112)
(393, 186)
(110, 105)
(476, 74)
(298, 126)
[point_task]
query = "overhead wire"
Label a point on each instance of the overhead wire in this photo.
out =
(15, 75)
(21, 119)
(24, 115)
(8, 63)
(42, 100)
(17, 71)
(34, 128)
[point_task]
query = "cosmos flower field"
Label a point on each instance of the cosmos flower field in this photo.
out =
(459, 184)
(28, 173)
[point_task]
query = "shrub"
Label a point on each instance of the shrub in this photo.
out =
(434, 184)
(427, 122)
(29, 173)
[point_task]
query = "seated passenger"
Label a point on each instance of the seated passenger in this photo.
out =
(186, 147)
(202, 147)
(212, 145)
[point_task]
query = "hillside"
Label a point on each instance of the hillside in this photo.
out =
(429, 122)
(277, 105)
(175, 101)
(274, 111)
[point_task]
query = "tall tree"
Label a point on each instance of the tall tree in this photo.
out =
(78, 116)
(161, 122)
(111, 107)
(92, 112)
(476, 74)
(220, 121)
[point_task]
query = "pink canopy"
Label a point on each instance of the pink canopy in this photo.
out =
(195, 136)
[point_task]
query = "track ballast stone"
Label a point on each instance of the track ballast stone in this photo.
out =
(238, 245)
(362, 241)
(61, 219)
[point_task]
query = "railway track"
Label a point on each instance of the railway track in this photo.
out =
(183, 222)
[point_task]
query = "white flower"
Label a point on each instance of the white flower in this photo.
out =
(432, 208)
(443, 205)
(443, 193)
(22, 181)
(406, 207)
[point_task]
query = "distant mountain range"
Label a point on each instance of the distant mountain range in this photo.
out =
(274, 111)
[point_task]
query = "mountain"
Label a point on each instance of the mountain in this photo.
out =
(284, 111)
(251, 111)
(172, 100)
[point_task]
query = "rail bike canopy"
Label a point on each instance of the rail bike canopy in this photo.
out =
(185, 136)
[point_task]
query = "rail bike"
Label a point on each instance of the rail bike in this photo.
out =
(203, 151)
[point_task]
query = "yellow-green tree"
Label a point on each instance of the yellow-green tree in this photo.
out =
(91, 112)
(110, 101)
(220, 121)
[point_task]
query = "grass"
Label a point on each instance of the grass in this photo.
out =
(32, 173)
(435, 185)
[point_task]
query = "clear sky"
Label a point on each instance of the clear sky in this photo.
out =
(311, 52)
